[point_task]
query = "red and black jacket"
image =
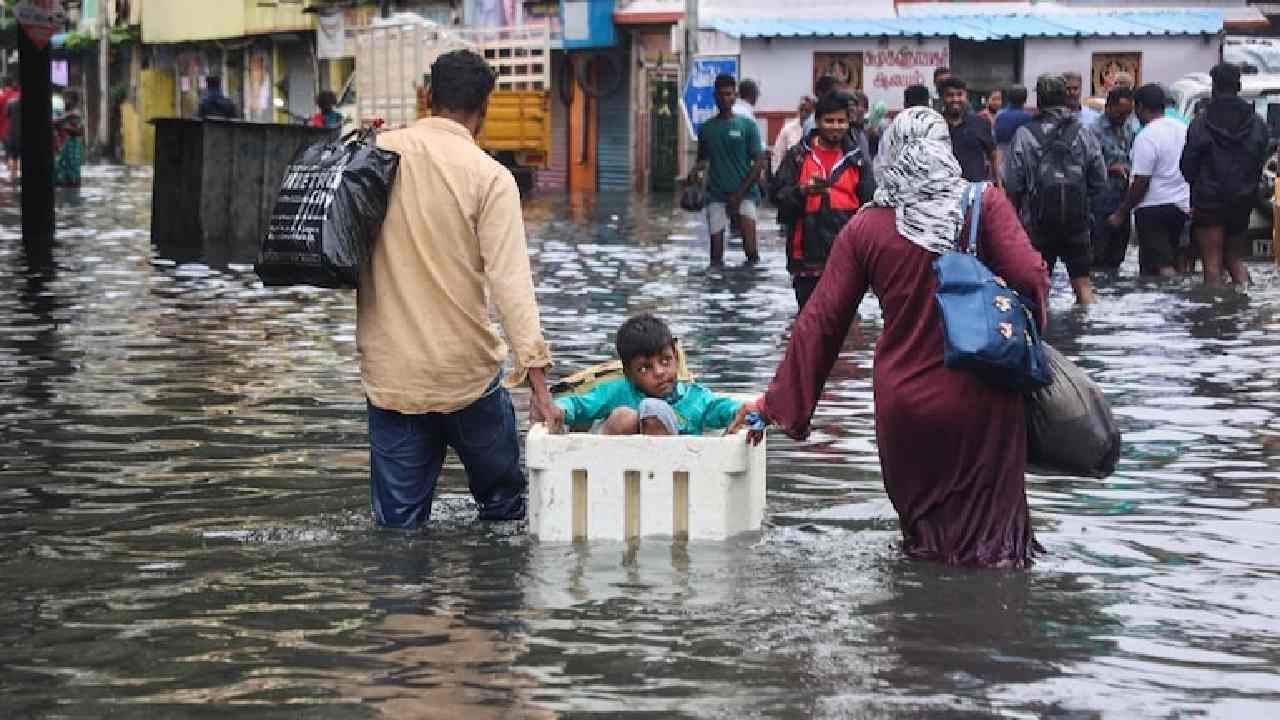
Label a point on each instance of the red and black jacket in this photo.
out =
(812, 222)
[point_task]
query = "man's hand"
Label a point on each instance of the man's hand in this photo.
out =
(541, 407)
(1118, 170)
(1116, 219)
(754, 435)
(547, 412)
(733, 204)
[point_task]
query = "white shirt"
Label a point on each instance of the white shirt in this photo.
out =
(1156, 153)
(747, 110)
(791, 134)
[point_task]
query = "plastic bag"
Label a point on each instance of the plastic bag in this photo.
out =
(694, 197)
(1070, 429)
(327, 213)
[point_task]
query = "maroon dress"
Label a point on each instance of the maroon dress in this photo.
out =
(953, 450)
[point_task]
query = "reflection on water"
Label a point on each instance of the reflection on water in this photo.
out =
(183, 506)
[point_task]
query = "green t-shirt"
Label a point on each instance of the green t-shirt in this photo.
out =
(697, 408)
(731, 146)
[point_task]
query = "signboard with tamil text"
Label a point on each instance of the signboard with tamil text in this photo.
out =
(887, 72)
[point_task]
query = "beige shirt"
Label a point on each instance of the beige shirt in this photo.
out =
(453, 239)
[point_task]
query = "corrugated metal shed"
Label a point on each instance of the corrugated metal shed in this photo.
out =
(983, 27)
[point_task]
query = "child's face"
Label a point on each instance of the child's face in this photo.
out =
(654, 375)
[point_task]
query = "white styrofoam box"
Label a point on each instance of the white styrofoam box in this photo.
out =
(601, 487)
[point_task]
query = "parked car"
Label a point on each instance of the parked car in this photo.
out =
(1191, 93)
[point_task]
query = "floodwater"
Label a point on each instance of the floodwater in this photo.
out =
(185, 528)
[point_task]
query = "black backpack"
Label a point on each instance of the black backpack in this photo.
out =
(1060, 201)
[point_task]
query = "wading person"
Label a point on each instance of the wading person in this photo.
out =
(1157, 189)
(1115, 136)
(729, 153)
(430, 358)
(68, 134)
(1225, 151)
(792, 132)
(326, 116)
(971, 138)
(1054, 168)
(819, 186)
(214, 104)
(953, 448)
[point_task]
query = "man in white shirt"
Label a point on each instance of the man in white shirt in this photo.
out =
(793, 131)
(1158, 190)
(748, 95)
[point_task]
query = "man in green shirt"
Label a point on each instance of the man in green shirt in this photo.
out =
(729, 154)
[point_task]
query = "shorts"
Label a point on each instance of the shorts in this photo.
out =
(1159, 237)
(1075, 251)
(407, 451)
(1232, 217)
(718, 215)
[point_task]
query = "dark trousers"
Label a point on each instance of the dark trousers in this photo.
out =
(406, 453)
(1110, 244)
(804, 286)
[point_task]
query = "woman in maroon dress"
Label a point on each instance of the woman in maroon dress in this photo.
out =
(953, 449)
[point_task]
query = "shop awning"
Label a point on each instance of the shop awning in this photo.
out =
(982, 27)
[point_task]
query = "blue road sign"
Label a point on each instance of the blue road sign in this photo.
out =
(699, 96)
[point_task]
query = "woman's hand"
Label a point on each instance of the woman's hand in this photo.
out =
(749, 412)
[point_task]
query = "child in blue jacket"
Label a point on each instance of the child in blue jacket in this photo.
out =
(649, 399)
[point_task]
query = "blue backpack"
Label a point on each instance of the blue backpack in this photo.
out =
(987, 327)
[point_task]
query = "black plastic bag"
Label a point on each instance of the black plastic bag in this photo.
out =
(694, 197)
(1070, 429)
(327, 213)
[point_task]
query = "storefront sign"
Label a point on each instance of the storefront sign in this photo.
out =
(331, 35)
(699, 97)
(890, 71)
(40, 19)
(1106, 66)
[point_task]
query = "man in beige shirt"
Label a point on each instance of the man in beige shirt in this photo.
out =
(452, 241)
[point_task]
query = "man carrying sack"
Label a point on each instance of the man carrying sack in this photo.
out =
(453, 236)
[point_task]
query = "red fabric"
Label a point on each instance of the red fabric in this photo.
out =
(843, 194)
(317, 120)
(953, 450)
(5, 97)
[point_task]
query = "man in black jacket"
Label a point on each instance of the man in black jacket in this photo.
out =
(820, 184)
(1222, 160)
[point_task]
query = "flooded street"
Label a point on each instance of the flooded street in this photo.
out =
(184, 510)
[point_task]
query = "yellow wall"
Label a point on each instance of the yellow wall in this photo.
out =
(155, 99)
(169, 21)
(262, 17)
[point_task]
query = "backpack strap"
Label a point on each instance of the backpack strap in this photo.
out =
(973, 204)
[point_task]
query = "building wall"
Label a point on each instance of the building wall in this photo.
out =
(169, 21)
(784, 66)
(1164, 59)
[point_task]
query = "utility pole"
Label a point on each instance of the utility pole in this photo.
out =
(690, 36)
(37, 146)
(104, 76)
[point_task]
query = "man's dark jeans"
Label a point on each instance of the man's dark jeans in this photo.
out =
(406, 453)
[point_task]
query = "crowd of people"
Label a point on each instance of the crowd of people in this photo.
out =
(1083, 181)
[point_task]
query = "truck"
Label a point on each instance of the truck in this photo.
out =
(393, 81)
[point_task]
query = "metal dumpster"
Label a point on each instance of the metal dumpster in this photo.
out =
(214, 185)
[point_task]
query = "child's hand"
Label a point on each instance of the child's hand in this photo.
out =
(749, 416)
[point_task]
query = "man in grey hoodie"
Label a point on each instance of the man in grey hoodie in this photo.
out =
(1222, 160)
(1055, 171)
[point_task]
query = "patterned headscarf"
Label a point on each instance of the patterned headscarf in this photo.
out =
(918, 176)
